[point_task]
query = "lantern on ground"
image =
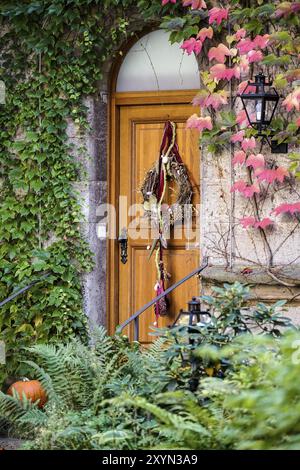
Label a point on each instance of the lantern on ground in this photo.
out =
(193, 316)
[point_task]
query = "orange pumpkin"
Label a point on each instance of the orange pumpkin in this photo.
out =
(32, 389)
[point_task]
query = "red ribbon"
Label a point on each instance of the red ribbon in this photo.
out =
(167, 139)
(165, 144)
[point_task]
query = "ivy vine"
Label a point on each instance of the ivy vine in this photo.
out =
(52, 55)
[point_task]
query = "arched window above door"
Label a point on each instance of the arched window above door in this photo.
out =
(153, 64)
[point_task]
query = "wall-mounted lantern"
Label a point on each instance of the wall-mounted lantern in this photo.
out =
(260, 101)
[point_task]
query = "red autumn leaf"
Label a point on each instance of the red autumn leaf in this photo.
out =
(218, 15)
(239, 158)
(264, 223)
(266, 175)
(192, 45)
(245, 45)
(200, 123)
(248, 144)
(205, 33)
(216, 100)
(241, 118)
(200, 98)
(261, 41)
(244, 64)
(292, 100)
(195, 4)
(220, 72)
(238, 186)
(248, 222)
(272, 175)
(281, 173)
(254, 56)
(240, 34)
(250, 190)
(290, 208)
(256, 161)
(247, 190)
(219, 53)
(252, 222)
(188, 45)
(244, 87)
(237, 137)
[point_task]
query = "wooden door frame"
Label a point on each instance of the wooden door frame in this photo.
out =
(116, 101)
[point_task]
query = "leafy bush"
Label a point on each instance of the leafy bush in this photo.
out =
(111, 394)
(232, 314)
(256, 406)
(77, 379)
(261, 394)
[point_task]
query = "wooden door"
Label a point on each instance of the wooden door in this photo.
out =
(140, 133)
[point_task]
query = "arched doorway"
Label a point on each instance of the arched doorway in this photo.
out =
(154, 83)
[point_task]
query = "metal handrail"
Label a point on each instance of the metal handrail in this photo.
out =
(135, 317)
(24, 289)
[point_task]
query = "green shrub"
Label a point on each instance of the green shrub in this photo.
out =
(260, 396)
(111, 394)
(256, 406)
(77, 379)
(232, 314)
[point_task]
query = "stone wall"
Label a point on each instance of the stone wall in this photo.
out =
(91, 152)
(241, 255)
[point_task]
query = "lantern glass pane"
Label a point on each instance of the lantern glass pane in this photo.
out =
(183, 320)
(205, 318)
(253, 108)
(259, 111)
(195, 320)
(270, 105)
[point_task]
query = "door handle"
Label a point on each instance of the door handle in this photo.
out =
(123, 241)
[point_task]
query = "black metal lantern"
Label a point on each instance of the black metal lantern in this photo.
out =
(193, 316)
(260, 101)
(260, 105)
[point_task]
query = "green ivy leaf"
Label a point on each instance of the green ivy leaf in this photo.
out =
(271, 59)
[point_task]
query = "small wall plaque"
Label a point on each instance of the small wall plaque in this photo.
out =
(2, 92)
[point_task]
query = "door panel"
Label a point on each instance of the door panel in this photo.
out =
(141, 131)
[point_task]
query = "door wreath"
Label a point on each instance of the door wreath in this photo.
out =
(169, 167)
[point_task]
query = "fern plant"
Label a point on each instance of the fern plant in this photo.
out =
(181, 422)
(78, 379)
(113, 394)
